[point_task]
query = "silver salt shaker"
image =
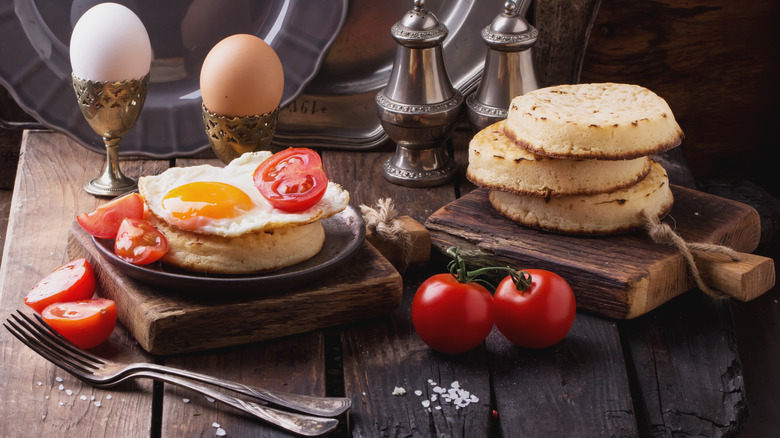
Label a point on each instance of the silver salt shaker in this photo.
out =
(509, 69)
(419, 108)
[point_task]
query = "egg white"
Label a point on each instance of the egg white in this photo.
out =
(262, 216)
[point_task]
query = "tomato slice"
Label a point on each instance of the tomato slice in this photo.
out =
(72, 281)
(292, 180)
(104, 222)
(86, 323)
(139, 242)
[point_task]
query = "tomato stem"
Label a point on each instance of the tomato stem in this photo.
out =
(457, 267)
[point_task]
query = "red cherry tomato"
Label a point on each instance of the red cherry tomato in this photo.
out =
(72, 281)
(86, 323)
(538, 317)
(139, 242)
(104, 222)
(452, 317)
(292, 180)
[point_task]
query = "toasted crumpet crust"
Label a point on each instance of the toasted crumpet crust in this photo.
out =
(250, 253)
(600, 214)
(605, 121)
(497, 163)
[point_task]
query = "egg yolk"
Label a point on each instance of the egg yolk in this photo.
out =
(208, 199)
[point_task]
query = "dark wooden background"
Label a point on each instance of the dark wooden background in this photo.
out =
(717, 63)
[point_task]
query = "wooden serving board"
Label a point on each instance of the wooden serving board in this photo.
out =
(620, 276)
(165, 322)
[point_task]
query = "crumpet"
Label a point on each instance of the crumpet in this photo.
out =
(615, 212)
(250, 253)
(495, 162)
(605, 121)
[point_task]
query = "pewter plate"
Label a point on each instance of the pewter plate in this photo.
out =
(344, 234)
(337, 110)
(35, 66)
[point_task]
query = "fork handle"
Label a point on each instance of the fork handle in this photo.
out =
(298, 423)
(319, 406)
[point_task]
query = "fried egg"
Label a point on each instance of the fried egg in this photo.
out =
(224, 201)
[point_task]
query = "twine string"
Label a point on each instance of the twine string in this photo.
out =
(662, 233)
(383, 221)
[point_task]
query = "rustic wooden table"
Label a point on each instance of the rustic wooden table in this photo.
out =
(675, 371)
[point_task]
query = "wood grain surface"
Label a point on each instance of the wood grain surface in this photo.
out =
(621, 276)
(170, 322)
(618, 376)
(716, 64)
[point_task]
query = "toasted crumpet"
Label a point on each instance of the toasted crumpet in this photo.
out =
(615, 212)
(250, 253)
(605, 121)
(497, 163)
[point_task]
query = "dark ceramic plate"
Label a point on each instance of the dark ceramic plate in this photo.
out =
(344, 234)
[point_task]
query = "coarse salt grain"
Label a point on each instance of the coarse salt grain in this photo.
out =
(426, 403)
(58, 379)
(96, 403)
(69, 392)
(418, 393)
(399, 391)
(83, 397)
(221, 432)
(61, 387)
(185, 400)
(39, 383)
(210, 400)
(215, 424)
(108, 397)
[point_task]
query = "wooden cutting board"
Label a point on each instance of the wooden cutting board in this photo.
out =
(166, 322)
(620, 276)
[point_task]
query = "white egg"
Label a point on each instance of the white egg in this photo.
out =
(110, 43)
(224, 201)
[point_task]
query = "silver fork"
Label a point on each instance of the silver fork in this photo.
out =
(102, 373)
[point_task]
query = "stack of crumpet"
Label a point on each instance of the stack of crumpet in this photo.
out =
(575, 159)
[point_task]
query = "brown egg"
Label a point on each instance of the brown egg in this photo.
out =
(241, 76)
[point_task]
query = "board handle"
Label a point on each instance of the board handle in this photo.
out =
(744, 280)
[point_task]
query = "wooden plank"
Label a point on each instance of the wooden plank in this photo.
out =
(564, 28)
(623, 276)
(386, 353)
(687, 370)
(757, 326)
(293, 364)
(722, 85)
(48, 196)
(172, 322)
(578, 387)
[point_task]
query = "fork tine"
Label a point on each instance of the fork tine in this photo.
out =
(52, 356)
(45, 329)
(42, 336)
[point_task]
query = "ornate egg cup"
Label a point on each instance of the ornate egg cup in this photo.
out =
(111, 109)
(230, 137)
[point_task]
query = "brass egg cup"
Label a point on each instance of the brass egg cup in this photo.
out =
(230, 137)
(111, 109)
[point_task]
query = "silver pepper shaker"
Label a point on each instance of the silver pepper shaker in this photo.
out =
(509, 69)
(419, 108)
